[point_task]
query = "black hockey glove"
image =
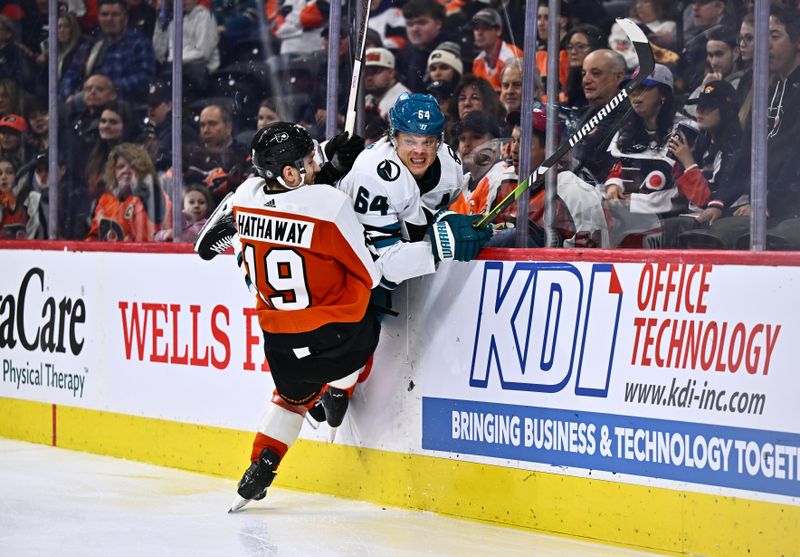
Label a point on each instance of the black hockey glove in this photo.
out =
(454, 237)
(342, 151)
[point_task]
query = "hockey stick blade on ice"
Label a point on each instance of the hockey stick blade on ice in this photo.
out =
(350, 118)
(646, 66)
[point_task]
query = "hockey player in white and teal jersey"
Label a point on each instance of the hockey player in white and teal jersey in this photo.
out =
(400, 186)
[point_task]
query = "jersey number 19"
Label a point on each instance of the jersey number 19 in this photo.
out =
(283, 272)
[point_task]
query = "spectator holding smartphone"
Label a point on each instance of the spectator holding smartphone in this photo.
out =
(641, 189)
(712, 161)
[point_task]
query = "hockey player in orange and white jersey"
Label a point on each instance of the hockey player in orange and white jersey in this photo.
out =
(306, 255)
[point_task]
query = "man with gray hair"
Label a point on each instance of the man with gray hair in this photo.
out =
(603, 72)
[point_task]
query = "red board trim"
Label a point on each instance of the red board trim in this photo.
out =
(763, 258)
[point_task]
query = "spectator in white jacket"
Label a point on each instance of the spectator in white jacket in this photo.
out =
(200, 54)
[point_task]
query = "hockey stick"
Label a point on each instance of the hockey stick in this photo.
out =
(350, 119)
(646, 66)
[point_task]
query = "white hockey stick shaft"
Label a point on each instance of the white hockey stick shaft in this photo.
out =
(350, 117)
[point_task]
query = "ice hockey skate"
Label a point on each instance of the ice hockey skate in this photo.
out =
(218, 232)
(335, 402)
(256, 479)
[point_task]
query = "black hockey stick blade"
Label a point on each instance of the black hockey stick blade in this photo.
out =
(646, 66)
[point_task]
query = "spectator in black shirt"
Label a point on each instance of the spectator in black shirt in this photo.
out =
(603, 72)
(424, 26)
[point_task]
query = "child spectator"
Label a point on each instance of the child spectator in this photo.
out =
(12, 214)
(134, 206)
(197, 207)
(478, 147)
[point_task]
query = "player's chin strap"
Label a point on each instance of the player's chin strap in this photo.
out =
(302, 172)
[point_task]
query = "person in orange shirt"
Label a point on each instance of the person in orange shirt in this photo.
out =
(12, 215)
(495, 53)
(542, 22)
(134, 206)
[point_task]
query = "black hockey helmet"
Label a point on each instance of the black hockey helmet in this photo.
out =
(278, 145)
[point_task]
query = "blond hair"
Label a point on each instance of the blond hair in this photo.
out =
(136, 156)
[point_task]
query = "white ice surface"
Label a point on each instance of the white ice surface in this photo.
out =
(55, 502)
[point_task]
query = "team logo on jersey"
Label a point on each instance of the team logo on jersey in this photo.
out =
(453, 154)
(129, 212)
(389, 170)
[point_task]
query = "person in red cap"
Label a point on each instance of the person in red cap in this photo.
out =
(12, 127)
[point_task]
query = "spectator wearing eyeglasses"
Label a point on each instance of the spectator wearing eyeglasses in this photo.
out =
(746, 40)
(580, 41)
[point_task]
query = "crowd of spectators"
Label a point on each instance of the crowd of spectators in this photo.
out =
(675, 173)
